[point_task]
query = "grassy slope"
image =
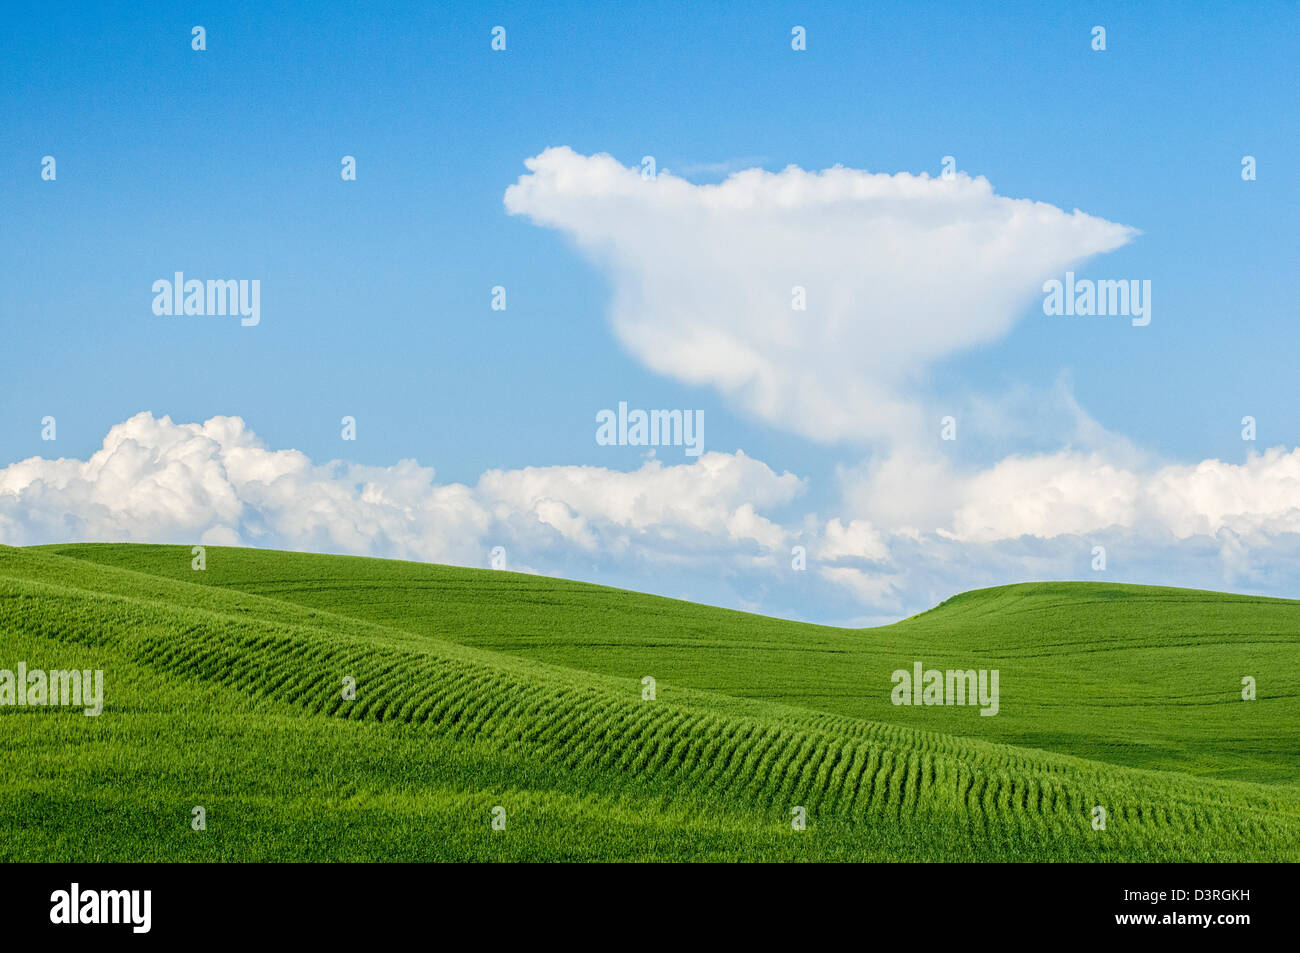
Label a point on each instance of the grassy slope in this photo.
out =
(229, 699)
(1134, 675)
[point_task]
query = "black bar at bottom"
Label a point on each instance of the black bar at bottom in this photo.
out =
(342, 902)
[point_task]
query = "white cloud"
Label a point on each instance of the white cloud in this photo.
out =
(870, 589)
(1073, 492)
(704, 529)
(158, 481)
(858, 539)
(900, 271)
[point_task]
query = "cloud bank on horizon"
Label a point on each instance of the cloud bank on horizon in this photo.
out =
(1026, 517)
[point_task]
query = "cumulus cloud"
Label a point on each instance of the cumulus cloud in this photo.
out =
(1029, 517)
(899, 271)
(158, 481)
(667, 527)
(1071, 492)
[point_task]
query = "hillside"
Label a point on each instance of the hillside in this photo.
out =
(222, 690)
(1133, 675)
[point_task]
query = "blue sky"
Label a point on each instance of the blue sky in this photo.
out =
(375, 293)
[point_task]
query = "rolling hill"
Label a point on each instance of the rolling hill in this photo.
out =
(478, 690)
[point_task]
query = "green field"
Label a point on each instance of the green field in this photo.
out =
(478, 689)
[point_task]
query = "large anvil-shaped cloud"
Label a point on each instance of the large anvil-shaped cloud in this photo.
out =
(898, 270)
